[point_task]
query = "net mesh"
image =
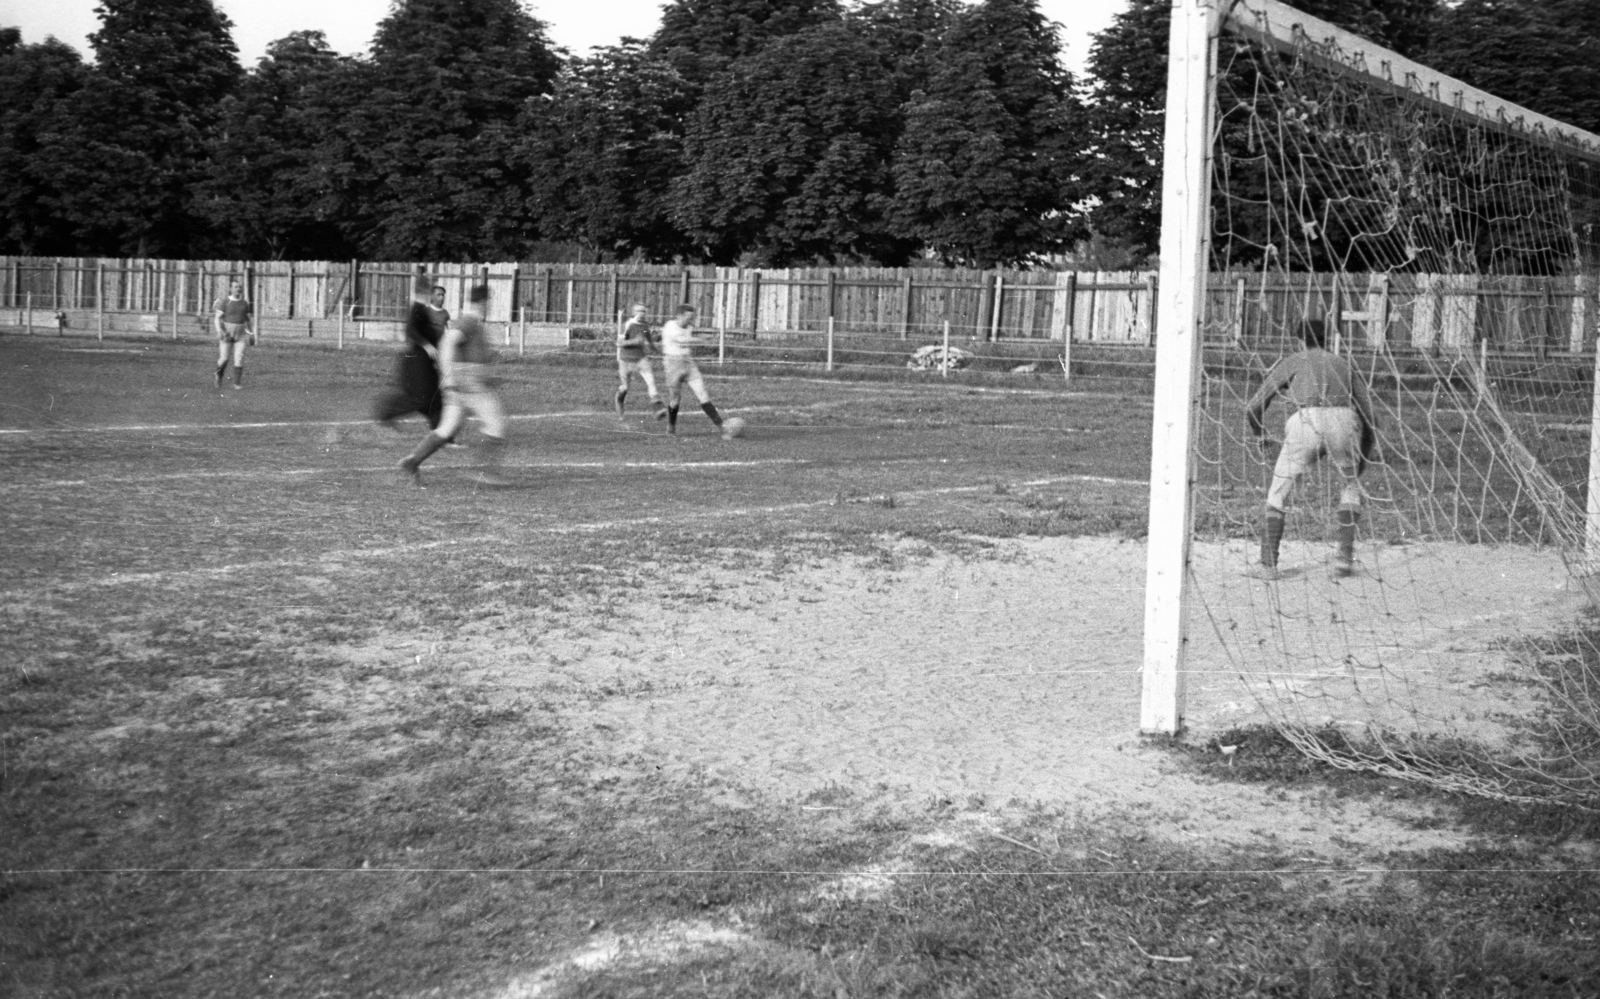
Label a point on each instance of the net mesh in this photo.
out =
(1451, 260)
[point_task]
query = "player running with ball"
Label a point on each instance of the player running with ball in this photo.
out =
(464, 360)
(677, 362)
(1332, 419)
(633, 358)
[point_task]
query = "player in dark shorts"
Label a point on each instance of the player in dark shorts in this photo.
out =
(416, 388)
(633, 358)
(233, 319)
(465, 364)
(1332, 418)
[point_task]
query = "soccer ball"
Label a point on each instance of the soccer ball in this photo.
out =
(733, 427)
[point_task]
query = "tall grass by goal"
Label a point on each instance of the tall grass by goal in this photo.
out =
(1462, 652)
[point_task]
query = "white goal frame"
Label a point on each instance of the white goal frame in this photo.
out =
(1196, 27)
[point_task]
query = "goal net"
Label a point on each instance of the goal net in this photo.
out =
(1401, 581)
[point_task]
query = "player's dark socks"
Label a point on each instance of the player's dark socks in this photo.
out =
(1271, 538)
(238, 375)
(672, 419)
(1346, 536)
(622, 398)
(711, 411)
(430, 444)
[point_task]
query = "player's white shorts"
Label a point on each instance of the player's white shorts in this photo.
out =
(680, 371)
(469, 392)
(1314, 433)
(234, 331)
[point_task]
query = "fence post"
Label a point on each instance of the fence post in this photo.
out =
(999, 301)
(522, 330)
(944, 358)
(905, 308)
(616, 290)
(1066, 326)
(832, 293)
(572, 293)
(27, 313)
(340, 306)
(755, 302)
(355, 287)
(55, 286)
(100, 299)
(174, 308)
(683, 297)
(722, 338)
(250, 295)
(549, 293)
(291, 290)
(16, 283)
(516, 301)
(829, 365)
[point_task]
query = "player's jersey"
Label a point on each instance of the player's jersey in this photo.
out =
(636, 330)
(439, 319)
(1313, 378)
(677, 339)
(473, 348)
(419, 326)
(234, 310)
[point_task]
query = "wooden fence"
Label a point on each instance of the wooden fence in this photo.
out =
(1421, 311)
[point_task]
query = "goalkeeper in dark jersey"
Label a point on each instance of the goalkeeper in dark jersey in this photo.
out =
(464, 376)
(1332, 418)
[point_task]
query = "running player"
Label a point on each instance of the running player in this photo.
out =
(464, 360)
(233, 318)
(633, 358)
(677, 363)
(1332, 419)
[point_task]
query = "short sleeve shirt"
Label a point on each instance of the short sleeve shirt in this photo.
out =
(474, 345)
(677, 339)
(235, 311)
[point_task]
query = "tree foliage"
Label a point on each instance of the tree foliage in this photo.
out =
(786, 156)
(982, 170)
(130, 146)
(269, 191)
(600, 156)
(36, 84)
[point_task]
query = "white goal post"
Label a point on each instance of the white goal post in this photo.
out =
(1185, 263)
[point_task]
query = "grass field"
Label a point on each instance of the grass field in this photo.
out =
(847, 707)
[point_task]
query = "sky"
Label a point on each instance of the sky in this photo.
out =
(577, 25)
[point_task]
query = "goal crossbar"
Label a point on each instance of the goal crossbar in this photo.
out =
(1269, 22)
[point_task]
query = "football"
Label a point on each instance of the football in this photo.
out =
(733, 427)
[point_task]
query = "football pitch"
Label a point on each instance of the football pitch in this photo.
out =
(667, 715)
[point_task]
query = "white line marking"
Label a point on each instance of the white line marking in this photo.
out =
(367, 469)
(117, 579)
(260, 426)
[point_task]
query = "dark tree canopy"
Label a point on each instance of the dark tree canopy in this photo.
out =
(980, 170)
(1542, 54)
(786, 157)
(702, 37)
(269, 190)
(131, 144)
(36, 83)
(1127, 104)
(428, 140)
(600, 156)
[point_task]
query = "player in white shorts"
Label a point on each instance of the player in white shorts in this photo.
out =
(677, 362)
(233, 319)
(464, 379)
(1332, 419)
(633, 358)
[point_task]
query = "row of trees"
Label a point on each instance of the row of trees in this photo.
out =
(756, 131)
